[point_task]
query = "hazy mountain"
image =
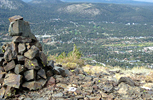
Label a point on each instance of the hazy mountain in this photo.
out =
(50, 9)
(108, 1)
(45, 1)
(12, 4)
(106, 12)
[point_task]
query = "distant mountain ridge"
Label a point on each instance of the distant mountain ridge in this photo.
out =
(45, 1)
(12, 4)
(108, 1)
(51, 9)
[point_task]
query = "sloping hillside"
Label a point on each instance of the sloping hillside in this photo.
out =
(12, 4)
(109, 1)
(106, 12)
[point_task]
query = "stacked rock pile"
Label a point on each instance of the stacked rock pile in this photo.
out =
(23, 64)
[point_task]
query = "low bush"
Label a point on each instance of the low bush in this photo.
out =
(70, 60)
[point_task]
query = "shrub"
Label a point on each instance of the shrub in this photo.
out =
(71, 60)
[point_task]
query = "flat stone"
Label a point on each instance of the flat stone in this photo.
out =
(79, 97)
(27, 99)
(16, 17)
(21, 48)
(61, 86)
(9, 66)
(127, 80)
(28, 46)
(1, 60)
(43, 58)
(80, 77)
(10, 51)
(78, 71)
(42, 73)
(104, 95)
(123, 89)
(31, 64)
(14, 49)
(19, 69)
(51, 82)
(42, 81)
(111, 97)
(20, 58)
(20, 28)
(2, 74)
(58, 78)
(58, 95)
(5, 47)
(1, 55)
(15, 28)
(66, 73)
(94, 98)
(34, 85)
(49, 73)
(2, 92)
(88, 91)
(108, 89)
(30, 75)
(2, 69)
(9, 92)
(32, 52)
(56, 70)
(146, 96)
(61, 71)
(20, 39)
(88, 78)
(38, 77)
(8, 55)
(42, 99)
(87, 84)
(38, 45)
(79, 91)
(50, 64)
(12, 80)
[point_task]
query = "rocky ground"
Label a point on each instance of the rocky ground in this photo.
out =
(95, 83)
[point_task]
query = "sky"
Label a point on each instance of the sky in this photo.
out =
(135, 0)
(145, 0)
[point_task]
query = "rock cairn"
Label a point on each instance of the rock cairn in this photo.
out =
(23, 64)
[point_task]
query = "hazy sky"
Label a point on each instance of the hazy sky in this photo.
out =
(135, 0)
(145, 0)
